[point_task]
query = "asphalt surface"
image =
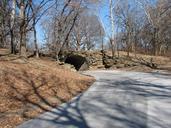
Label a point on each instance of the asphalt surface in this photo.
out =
(117, 99)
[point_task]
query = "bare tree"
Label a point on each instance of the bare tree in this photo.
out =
(12, 25)
(112, 42)
(4, 19)
(155, 17)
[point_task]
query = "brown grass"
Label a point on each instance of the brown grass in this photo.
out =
(31, 87)
(157, 59)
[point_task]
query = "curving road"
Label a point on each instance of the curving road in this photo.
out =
(117, 99)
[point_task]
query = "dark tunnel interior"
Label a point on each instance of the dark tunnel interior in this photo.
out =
(76, 60)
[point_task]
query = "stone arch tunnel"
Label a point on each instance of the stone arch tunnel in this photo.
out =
(80, 63)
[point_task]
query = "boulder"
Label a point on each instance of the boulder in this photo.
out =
(70, 67)
(108, 62)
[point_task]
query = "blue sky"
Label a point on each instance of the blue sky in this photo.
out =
(40, 36)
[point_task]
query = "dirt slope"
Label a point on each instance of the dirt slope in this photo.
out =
(30, 87)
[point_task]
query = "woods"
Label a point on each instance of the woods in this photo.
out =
(18, 18)
(138, 26)
(143, 26)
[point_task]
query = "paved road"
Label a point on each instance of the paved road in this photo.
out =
(117, 99)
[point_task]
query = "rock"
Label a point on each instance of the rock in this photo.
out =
(69, 66)
(100, 66)
(113, 67)
(61, 63)
(84, 66)
(94, 64)
(20, 61)
(120, 66)
(109, 62)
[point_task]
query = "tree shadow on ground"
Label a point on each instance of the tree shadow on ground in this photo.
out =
(136, 95)
(30, 97)
(122, 104)
(165, 75)
(68, 115)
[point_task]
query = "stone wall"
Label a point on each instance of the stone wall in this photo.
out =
(100, 60)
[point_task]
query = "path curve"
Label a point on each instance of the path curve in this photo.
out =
(117, 99)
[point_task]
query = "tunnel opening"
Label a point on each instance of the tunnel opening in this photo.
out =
(80, 63)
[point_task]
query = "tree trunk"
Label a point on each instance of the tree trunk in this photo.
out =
(128, 49)
(35, 43)
(113, 29)
(78, 42)
(35, 38)
(12, 42)
(12, 26)
(22, 30)
(23, 42)
(112, 48)
(3, 37)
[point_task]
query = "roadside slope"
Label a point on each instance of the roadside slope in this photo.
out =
(30, 87)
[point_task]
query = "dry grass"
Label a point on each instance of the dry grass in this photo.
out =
(157, 59)
(31, 87)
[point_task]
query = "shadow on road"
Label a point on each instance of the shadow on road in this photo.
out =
(121, 104)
